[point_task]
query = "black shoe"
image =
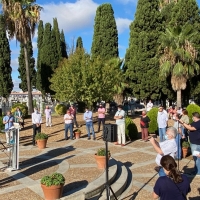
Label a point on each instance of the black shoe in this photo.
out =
(66, 138)
(71, 138)
(94, 138)
(89, 138)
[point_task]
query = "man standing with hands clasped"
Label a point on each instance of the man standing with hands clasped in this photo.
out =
(89, 123)
(36, 120)
(120, 121)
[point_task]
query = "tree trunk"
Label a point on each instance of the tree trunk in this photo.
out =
(178, 98)
(118, 98)
(30, 98)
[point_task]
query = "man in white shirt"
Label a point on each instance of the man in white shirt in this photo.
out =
(120, 121)
(68, 117)
(168, 147)
(48, 116)
(149, 106)
(36, 120)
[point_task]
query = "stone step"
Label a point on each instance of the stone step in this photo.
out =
(95, 186)
(119, 183)
(128, 185)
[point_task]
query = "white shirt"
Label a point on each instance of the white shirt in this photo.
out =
(122, 120)
(168, 147)
(36, 118)
(149, 106)
(162, 119)
(69, 119)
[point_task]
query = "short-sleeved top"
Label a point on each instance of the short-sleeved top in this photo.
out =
(10, 123)
(166, 189)
(48, 112)
(185, 119)
(162, 119)
(195, 135)
(101, 115)
(144, 122)
(168, 147)
(122, 120)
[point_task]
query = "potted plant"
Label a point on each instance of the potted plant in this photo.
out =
(100, 157)
(41, 139)
(52, 186)
(185, 146)
(77, 133)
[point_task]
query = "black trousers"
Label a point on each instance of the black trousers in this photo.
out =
(35, 131)
(100, 120)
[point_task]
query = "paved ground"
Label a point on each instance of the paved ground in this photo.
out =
(75, 160)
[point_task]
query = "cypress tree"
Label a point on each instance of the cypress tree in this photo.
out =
(39, 45)
(57, 36)
(105, 38)
(6, 84)
(22, 67)
(49, 58)
(63, 45)
(142, 64)
(79, 43)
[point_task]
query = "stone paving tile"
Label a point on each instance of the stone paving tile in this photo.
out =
(149, 180)
(23, 194)
(139, 144)
(135, 157)
(195, 187)
(40, 170)
(80, 177)
(30, 152)
(136, 193)
(7, 181)
(85, 144)
(145, 169)
(4, 155)
(83, 159)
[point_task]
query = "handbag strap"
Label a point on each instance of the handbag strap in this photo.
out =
(179, 189)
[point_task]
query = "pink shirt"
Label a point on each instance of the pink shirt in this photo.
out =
(72, 111)
(101, 115)
(48, 112)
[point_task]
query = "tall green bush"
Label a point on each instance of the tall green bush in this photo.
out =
(23, 107)
(130, 129)
(153, 125)
(191, 109)
(60, 109)
(1, 124)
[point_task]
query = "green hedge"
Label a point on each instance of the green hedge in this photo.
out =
(191, 109)
(1, 123)
(153, 125)
(23, 107)
(130, 129)
(60, 109)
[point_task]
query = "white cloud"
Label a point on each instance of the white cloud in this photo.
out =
(122, 24)
(14, 64)
(70, 16)
(128, 1)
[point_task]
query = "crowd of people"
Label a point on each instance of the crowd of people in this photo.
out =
(168, 148)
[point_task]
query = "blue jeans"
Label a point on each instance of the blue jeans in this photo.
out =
(178, 143)
(196, 159)
(89, 126)
(70, 127)
(161, 172)
(162, 132)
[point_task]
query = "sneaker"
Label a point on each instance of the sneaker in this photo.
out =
(94, 138)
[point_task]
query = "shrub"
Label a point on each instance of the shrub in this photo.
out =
(53, 179)
(153, 125)
(1, 123)
(191, 109)
(60, 109)
(77, 131)
(41, 136)
(130, 129)
(102, 152)
(23, 107)
(185, 144)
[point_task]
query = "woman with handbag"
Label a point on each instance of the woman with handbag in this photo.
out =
(19, 117)
(144, 125)
(174, 185)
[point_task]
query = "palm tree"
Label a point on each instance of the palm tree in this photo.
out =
(21, 18)
(178, 57)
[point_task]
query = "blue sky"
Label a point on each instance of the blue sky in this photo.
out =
(76, 18)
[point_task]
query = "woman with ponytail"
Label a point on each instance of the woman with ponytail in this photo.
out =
(174, 185)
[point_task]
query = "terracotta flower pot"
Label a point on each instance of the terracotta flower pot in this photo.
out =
(185, 152)
(41, 143)
(101, 161)
(52, 192)
(77, 135)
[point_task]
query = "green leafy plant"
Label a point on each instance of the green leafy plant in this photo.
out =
(185, 144)
(130, 129)
(60, 109)
(191, 109)
(77, 131)
(102, 152)
(153, 125)
(53, 179)
(23, 107)
(41, 136)
(1, 123)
